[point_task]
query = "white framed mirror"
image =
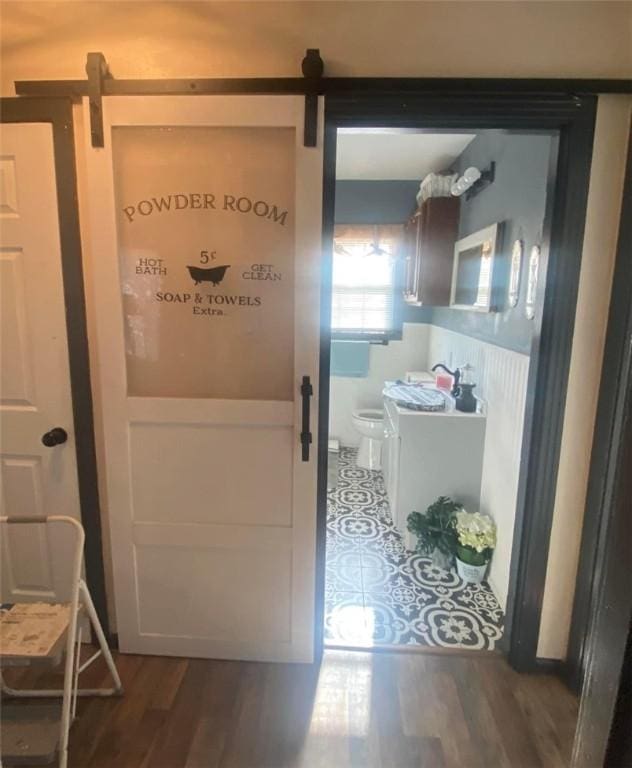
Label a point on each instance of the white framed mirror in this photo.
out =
(532, 283)
(514, 273)
(473, 270)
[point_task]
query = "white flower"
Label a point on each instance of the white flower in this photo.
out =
(475, 530)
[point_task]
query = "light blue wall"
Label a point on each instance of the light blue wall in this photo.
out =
(375, 202)
(517, 197)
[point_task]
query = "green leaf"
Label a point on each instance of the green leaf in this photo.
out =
(436, 527)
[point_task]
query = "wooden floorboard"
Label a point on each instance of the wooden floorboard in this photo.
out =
(357, 710)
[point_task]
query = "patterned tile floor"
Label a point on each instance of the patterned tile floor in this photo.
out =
(378, 593)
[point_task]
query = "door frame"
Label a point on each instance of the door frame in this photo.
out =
(607, 433)
(58, 112)
(569, 172)
(602, 616)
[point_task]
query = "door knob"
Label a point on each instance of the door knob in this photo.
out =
(56, 436)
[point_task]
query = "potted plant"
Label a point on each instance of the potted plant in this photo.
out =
(476, 539)
(435, 531)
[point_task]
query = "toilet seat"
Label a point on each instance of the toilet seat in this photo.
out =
(369, 414)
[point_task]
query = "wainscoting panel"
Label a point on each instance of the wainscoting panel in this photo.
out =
(501, 377)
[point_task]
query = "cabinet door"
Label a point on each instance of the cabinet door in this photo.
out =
(438, 231)
(392, 483)
(421, 250)
(411, 261)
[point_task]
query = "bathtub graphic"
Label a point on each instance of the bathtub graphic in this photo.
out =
(213, 275)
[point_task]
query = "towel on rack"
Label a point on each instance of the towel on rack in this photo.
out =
(350, 359)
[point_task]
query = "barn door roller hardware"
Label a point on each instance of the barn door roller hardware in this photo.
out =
(97, 70)
(100, 83)
(313, 68)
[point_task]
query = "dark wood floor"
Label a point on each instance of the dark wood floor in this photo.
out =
(357, 709)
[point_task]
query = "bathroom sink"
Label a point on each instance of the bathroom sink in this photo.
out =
(417, 398)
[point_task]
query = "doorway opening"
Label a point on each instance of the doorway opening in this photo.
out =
(439, 261)
(533, 304)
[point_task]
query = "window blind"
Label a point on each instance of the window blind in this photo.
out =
(363, 280)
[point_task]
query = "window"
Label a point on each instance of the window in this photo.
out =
(364, 282)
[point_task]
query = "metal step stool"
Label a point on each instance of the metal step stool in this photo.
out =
(30, 733)
(34, 734)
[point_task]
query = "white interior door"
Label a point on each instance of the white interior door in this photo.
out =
(35, 394)
(205, 219)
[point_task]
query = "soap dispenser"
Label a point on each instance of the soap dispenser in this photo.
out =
(465, 400)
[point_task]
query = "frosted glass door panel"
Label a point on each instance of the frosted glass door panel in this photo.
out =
(205, 226)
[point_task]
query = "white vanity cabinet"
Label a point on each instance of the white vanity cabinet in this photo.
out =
(427, 455)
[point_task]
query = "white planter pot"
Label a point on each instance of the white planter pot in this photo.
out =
(472, 573)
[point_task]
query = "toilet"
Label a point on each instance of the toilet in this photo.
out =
(370, 424)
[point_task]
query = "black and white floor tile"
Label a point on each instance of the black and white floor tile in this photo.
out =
(378, 593)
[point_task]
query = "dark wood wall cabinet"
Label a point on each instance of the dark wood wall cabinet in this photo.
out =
(429, 241)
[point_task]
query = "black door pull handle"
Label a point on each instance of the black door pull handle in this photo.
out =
(306, 436)
(56, 436)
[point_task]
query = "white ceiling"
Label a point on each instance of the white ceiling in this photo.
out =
(374, 154)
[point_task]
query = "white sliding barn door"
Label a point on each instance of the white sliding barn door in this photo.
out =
(205, 222)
